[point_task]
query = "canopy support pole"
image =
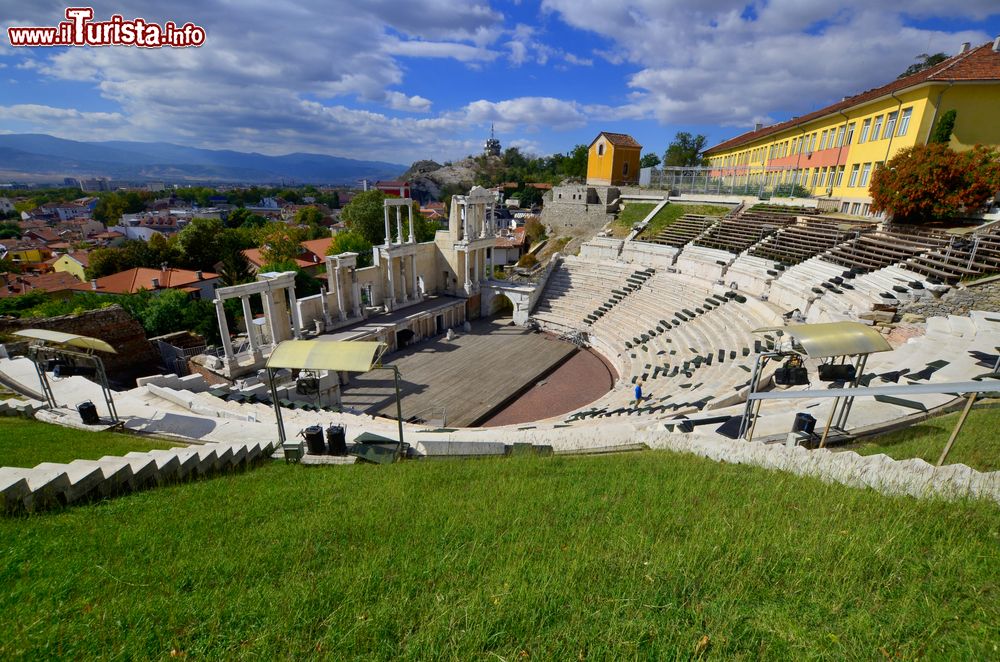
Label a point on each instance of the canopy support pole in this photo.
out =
(958, 428)
(277, 406)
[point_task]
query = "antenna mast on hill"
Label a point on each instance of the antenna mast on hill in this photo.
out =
(492, 146)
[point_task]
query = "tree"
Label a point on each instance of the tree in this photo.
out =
(649, 160)
(235, 269)
(201, 243)
(923, 61)
(529, 196)
(944, 127)
(281, 243)
(104, 262)
(534, 231)
(308, 216)
(364, 215)
(352, 242)
(927, 182)
(685, 150)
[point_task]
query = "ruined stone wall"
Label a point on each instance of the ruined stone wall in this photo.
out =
(983, 295)
(135, 354)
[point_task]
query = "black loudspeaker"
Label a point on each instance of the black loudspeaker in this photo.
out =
(74, 371)
(336, 440)
(314, 439)
(828, 372)
(804, 423)
(794, 376)
(307, 385)
(88, 413)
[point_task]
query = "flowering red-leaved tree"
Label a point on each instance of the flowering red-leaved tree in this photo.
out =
(927, 182)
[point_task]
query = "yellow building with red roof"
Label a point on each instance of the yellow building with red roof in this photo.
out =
(833, 152)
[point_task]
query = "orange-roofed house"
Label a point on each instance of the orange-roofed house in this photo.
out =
(311, 257)
(613, 160)
(199, 284)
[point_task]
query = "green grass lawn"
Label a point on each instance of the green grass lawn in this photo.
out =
(634, 212)
(25, 443)
(978, 445)
(652, 555)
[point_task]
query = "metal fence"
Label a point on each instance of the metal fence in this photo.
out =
(764, 183)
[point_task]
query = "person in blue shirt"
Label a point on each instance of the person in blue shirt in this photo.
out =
(638, 392)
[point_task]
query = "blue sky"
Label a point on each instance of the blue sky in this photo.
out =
(401, 81)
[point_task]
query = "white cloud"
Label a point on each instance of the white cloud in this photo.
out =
(416, 103)
(532, 113)
(707, 62)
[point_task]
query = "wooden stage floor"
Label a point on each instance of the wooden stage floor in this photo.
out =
(471, 377)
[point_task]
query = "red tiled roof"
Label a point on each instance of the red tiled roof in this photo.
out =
(257, 259)
(618, 139)
(83, 257)
(517, 239)
(141, 278)
(59, 281)
(976, 64)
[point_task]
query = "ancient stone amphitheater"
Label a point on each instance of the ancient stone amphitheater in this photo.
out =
(686, 313)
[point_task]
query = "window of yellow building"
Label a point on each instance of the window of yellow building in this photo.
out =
(853, 181)
(850, 134)
(822, 140)
(866, 171)
(840, 136)
(876, 127)
(864, 132)
(890, 124)
(904, 121)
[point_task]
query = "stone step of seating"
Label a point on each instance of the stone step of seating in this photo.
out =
(52, 484)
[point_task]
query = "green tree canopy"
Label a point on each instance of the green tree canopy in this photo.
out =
(927, 182)
(650, 160)
(201, 243)
(923, 61)
(944, 127)
(685, 150)
(364, 215)
(352, 242)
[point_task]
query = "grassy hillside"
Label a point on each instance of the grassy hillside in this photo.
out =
(652, 556)
(25, 443)
(637, 211)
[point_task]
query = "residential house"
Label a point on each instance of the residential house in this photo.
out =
(510, 246)
(311, 257)
(613, 160)
(59, 285)
(200, 285)
(397, 188)
(74, 263)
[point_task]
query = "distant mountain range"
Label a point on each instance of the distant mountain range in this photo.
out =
(39, 156)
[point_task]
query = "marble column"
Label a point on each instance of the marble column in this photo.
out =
(385, 212)
(340, 298)
(413, 277)
(227, 343)
(294, 310)
(251, 331)
(477, 272)
(399, 225)
(269, 314)
(409, 215)
(493, 264)
(465, 270)
(392, 286)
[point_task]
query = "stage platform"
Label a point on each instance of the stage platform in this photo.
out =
(471, 377)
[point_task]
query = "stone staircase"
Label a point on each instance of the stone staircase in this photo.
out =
(53, 485)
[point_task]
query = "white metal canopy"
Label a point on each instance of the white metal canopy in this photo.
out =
(821, 341)
(68, 339)
(348, 356)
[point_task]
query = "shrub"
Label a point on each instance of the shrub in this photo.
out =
(927, 182)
